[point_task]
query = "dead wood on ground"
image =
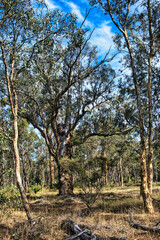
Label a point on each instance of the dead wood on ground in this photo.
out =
(72, 228)
(155, 229)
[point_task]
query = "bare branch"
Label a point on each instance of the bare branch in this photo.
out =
(4, 18)
(111, 15)
(127, 13)
(107, 134)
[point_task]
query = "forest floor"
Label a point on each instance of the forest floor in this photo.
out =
(108, 216)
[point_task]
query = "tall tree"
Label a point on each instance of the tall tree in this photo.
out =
(128, 36)
(17, 29)
(68, 82)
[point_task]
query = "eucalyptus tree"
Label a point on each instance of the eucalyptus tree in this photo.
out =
(66, 81)
(20, 29)
(137, 23)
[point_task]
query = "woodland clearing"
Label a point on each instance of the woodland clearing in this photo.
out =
(109, 215)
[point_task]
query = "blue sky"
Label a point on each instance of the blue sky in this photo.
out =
(104, 30)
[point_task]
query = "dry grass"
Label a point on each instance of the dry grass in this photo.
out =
(109, 215)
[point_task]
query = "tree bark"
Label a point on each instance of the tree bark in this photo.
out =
(65, 176)
(66, 187)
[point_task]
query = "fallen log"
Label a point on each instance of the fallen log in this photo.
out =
(72, 228)
(155, 229)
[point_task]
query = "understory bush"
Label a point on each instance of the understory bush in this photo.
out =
(56, 184)
(10, 199)
(36, 188)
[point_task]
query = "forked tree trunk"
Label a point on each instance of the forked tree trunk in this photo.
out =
(64, 134)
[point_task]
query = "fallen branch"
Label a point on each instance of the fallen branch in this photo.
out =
(77, 235)
(72, 228)
(155, 229)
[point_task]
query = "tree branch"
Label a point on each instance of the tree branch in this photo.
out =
(107, 134)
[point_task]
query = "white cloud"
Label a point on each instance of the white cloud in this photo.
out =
(102, 37)
(76, 10)
(50, 5)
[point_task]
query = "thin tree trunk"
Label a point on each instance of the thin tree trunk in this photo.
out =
(121, 171)
(17, 157)
(4, 175)
(106, 172)
(150, 130)
(148, 206)
(14, 109)
(51, 172)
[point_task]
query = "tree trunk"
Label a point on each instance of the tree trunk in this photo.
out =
(150, 129)
(24, 178)
(51, 172)
(13, 100)
(121, 171)
(66, 187)
(18, 176)
(106, 172)
(146, 193)
(4, 175)
(144, 187)
(148, 206)
(65, 176)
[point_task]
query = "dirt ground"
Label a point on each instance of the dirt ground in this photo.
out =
(108, 216)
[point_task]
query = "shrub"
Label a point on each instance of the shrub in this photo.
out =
(36, 188)
(56, 184)
(10, 199)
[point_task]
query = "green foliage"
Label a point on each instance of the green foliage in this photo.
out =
(36, 188)
(56, 184)
(10, 199)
